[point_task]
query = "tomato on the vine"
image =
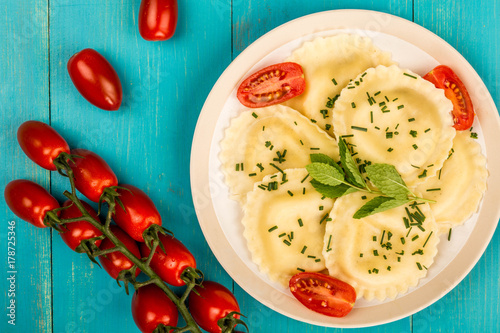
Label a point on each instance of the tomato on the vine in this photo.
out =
(445, 78)
(92, 174)
(323, 294)
(158, 19)
(115, 262)
(41, 143)
(272, 85)
(29, 201)
(213, 302)
(75, 232)
(95, 78)
(170, 264)
(139, 214)
(151, 307)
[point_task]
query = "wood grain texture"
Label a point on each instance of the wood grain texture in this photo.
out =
(147, 142)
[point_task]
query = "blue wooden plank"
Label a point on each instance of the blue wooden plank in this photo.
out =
(24, 95)
(147, 142)
(473, 29)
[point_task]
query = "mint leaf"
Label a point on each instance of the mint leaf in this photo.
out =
(351, 169)
(377, 205)
(325, 174)
(332, 191)
(387, 179)
(322, 158)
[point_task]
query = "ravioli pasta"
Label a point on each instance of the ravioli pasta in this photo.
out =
(379, 255)
(394, 116)
(459, 186)
(284, 227)
(259, 142)
(329, 64)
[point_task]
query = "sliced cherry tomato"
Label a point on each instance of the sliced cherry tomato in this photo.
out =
(77, 231)
(323, 294)
(29, 201)
(115, 262)
(443, 77)
(272, 85)
(95, 78)
(151, 307)
(213, 302)
(158, 19)
(139, 214)
(92, 174)
(41, 143)
(170, 264)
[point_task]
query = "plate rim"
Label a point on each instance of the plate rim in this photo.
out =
(200, 150)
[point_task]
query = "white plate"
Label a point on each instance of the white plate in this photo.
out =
(412, 47)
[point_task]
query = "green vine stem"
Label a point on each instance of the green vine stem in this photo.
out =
(64, 169)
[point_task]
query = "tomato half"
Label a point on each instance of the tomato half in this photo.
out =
(41, 143)
(139, 214)
(115, 262)
(151, 307)
(95, 78)
(272, 85)
(443, 77)
(75, 232)
(92, 174)
(213, 302)
(158, 19)
(323, 294)
(29, 201)
(170, 264)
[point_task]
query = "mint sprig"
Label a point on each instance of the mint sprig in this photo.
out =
(333, 181)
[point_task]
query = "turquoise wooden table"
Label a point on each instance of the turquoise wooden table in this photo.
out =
(147, 142)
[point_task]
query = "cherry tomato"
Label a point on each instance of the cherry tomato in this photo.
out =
(92, 174)
(157, 19)
(41, 143)
(170, 264)
(272, 85)
(151, 307)
(323, 294)
(140, 212)
(95, 78)
(117, 261)
(213, 303)
(77, 231)
(29, 201)
(443, 77)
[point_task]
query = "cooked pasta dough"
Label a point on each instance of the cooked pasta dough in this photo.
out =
(378, 255)
(460, 185)
(394, 116)
(285, 227)
(329, 64)
(259, 142)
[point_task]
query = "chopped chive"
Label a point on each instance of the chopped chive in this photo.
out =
(334, 82)
(272, 228)
(433, 189)
(317, 260)
(399, 259)
(300, 222)
(347, 136)
(276, 167)
(374, 238)
(259, 165)
(262, 187)
(449, 235)
(382, 239)
(423, 174)
(407, 222)
(304, 179)
(314, 148)
(385, 257)
(375, 253)
(413, 133)
(387, 99)
(287, 242)
(377, 93)
(397, 126)
(375, 271)
(371, 117)
(353, 105)
(427, 130)
(411, 120)
(428, 238)
(403, 241)
(413, 77)
(263, 128)
(384, 109)
(356, 83)
(473, 135)
(291, 235)
(329, 242)
(303, 249)
(369, 271)
(415, 146)
(361, 255)
(388, 268)
(237, 168)
(400, 107)
(430, 165)
(388, 135)
(303, 190)
(281, 235)
(323, 218)
(252, 174)
(414, 238)
(363, 129)
(363, 197)
(290, 193)
(419, 266)
(313, 121)
(300, 269)
(390, 149)
(421, 228)
(351, 87)
(389, 235)
(416, 167)
(381, 104)
(439, 176)
(312, 257)
(321, 207)
(273, 176)
(409, 232)
(295, 123)
(255, 115)
(302, 143)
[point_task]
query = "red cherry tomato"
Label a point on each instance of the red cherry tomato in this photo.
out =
(92, 174)
(157, 19)
(151, 307)
(213, 303)
(117, 261)
(272, 85)
(29, 201)
(323, 294)
(77, 231)
(443, 77)
(140, 212)
(170, 264)
(95, 78)
(41, 143)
